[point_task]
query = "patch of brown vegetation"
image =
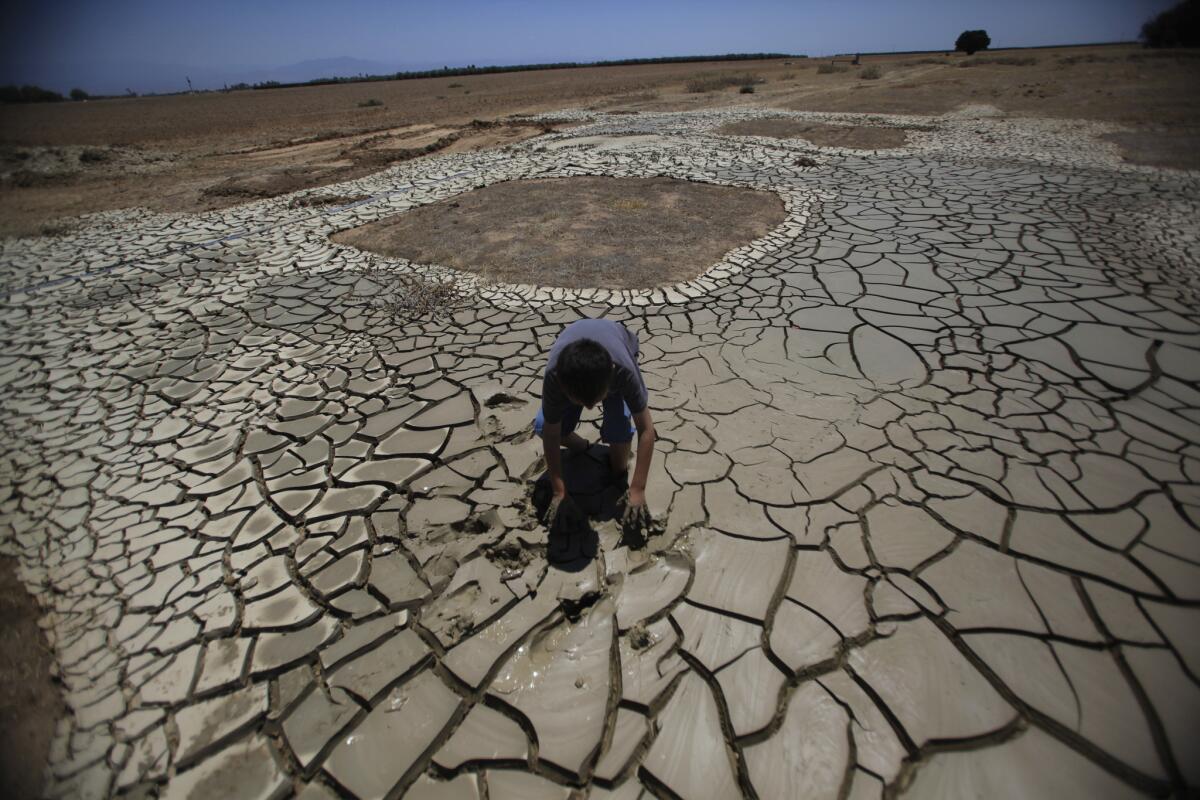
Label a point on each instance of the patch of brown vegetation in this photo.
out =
(324, 200)
(1115, 83)
(715, 81)
(858, 137)
(30, 704)
(61, 181)
(578, 232)
(1161, 147)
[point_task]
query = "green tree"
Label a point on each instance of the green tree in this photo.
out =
(79, 94)
(970, 42)
(1175, 27)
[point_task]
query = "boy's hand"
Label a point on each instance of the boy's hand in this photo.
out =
(562, 514)
(635, 517)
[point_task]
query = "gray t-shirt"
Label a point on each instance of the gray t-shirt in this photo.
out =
(621, 345)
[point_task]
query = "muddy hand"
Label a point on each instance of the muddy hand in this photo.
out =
(563, 515)
(635, 517)
(552, 511)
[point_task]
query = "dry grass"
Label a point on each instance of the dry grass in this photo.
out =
(324, 200)
(831, 69)
(406, 297)
(853, 136)
(1148, 55)
(1008, 61)
(578, 232)
(711, 82)
(871, 73)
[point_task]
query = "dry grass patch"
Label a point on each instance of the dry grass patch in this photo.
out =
(860, 138)
(578, 232)
(711, 82)
(1164, 147)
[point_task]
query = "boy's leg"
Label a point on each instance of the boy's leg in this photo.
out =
(570, 420)
(617, 432)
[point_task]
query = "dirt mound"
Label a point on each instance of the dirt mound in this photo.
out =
(578, 232)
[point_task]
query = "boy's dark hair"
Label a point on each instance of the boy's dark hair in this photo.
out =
(584, 370)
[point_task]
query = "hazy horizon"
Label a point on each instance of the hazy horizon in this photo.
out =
(154, 46)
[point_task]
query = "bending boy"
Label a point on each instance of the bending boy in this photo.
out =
(595, 361)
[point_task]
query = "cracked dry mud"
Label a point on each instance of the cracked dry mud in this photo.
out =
(927, 470)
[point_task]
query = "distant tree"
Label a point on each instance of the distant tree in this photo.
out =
(79, 94)
(28, 94)
(971, 42)
(1175, 27)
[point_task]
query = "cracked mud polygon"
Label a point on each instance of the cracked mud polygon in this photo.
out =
(927, 478)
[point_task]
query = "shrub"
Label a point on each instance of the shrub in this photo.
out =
(79, 94)
(1175, 27)
(971, 42)
(829, 69)
(92, 155)
(872, 72)
(372, 103)
(711, 82)
(747, 89)
(1011, 61)
(28, 94)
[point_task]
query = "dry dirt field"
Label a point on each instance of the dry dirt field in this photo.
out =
(206, 151)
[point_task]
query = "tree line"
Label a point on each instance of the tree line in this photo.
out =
(36, 94)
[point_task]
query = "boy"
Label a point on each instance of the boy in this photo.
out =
(595, 361)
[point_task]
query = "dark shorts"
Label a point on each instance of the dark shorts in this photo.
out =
(616, 428)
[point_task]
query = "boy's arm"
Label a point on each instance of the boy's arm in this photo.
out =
(551, 442)
(645, 451)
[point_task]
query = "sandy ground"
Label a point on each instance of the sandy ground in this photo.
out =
(578, 232)
(200, 152)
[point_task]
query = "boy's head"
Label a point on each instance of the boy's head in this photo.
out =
(584, 371)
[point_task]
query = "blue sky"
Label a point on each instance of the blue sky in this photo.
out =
(57, 41)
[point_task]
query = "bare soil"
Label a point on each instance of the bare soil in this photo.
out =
(30, 704)
(853, 136)
(1166, 147)
(579, 232)
(204, 151)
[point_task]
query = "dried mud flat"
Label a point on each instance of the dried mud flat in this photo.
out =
(927, 486)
